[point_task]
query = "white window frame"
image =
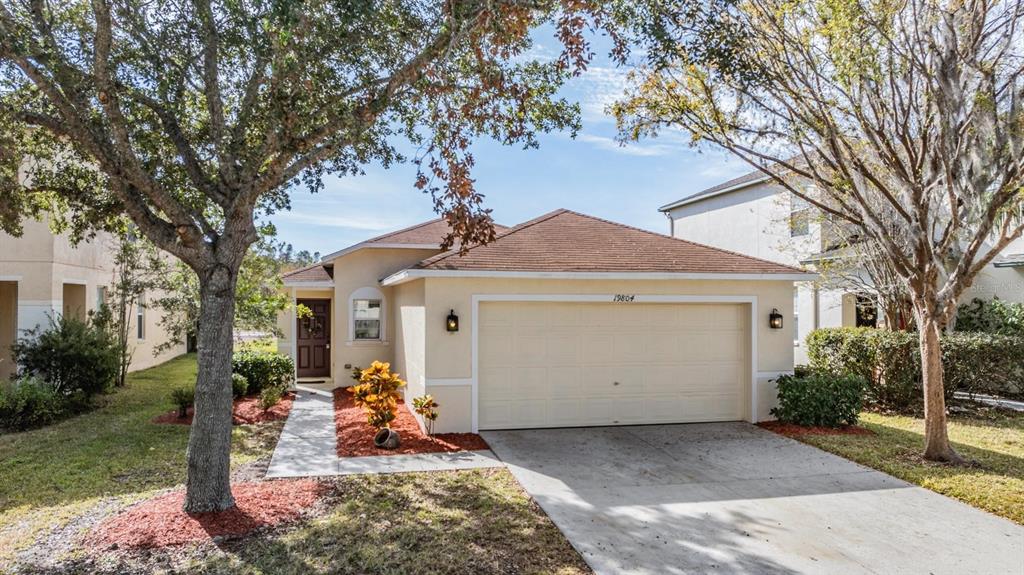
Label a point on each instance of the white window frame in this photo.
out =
(367, 293)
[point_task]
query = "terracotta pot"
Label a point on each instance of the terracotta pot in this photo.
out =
(387, 439)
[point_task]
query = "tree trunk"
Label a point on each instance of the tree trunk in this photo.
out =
(208, 485)
(937, 447)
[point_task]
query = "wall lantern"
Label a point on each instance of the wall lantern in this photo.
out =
(452, 323)
(775, 319)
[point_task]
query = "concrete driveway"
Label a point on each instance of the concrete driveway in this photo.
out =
(733, 498)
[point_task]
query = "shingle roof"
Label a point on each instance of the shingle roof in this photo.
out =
(429, 233)
(317, 272)
(566, 241)
(748, 178)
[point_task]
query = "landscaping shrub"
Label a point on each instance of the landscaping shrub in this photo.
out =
(991, 316)
(819, 399)
(889, 361)
(426, 407)
(30, 402)
(183, 398)
(983, 363)
(263, 369)
(271, 396)
(239, 385)
(377, 393)
(77, 358)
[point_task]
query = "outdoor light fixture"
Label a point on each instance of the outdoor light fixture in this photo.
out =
(775, 319)
(452, 323)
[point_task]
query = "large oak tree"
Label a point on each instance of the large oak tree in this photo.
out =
(906, 118)
(197, 117)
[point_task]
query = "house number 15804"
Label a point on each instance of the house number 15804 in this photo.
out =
(622, 297)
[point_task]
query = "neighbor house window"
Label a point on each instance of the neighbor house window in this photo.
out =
(867, 311)
(799, 216)
(101, 296)
(140, 317)
(366, 319)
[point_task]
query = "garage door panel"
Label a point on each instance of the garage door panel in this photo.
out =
(495, 348)
(530, 350)
(595, 347)
(547, 364)
(563, 349)
(567, 382)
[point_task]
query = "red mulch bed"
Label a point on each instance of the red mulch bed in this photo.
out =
(791, 429)
(246, 411)
(355, 436)
(160, 522)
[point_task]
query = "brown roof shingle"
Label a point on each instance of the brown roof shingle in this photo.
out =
(566, 241)
(429, 233)
(317, 272)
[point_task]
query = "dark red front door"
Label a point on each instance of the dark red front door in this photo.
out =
(314, 339)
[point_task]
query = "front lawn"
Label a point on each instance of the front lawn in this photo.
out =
(57, 483)
(994, 438)
(49, 476)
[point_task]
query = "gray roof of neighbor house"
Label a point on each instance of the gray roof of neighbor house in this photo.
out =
(748, 179)
(566, 241)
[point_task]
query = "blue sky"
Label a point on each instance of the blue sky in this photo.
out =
(592, 174)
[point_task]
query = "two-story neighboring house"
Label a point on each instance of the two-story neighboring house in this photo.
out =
(753, 216)
(43, 274)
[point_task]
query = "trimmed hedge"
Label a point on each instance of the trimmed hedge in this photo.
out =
(890, 362)
(820, 399)
(983, 363)
(263, 369)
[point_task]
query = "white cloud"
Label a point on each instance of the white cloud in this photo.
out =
(630, 149)
(320, 218)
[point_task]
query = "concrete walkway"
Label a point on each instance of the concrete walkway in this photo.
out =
(733, 498)
(990, 400)
(308, 447)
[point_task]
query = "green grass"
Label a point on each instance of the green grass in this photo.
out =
(54, 472)
(992, 438)
(465, 522)
(458, 522)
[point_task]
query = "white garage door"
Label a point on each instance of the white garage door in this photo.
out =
(547, 364)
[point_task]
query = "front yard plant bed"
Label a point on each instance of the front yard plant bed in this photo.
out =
(794, 430)
(246, 411)
(161, 522)
(355, 435)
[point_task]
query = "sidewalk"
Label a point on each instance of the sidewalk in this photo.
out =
(308, 447)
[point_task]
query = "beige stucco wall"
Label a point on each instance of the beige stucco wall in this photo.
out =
(48, 270)
(449, 355)
(410, 337)
(8, 326)
(363, 268)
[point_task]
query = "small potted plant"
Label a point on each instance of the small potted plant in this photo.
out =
(377, 393)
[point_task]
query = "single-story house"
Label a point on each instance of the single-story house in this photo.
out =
(564, 320)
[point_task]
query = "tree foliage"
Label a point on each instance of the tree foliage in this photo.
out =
(197, 118)
(905, 118)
